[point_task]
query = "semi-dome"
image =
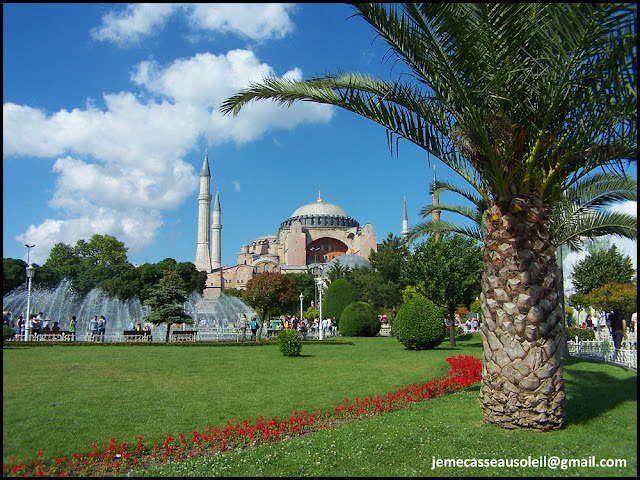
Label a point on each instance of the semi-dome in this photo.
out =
(347, 260)
(321, 214)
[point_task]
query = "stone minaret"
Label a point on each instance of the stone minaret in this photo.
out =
(216, 226)
(405, 224)
(203, 255)
(435, 214)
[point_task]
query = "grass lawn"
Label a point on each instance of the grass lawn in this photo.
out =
(61, 399)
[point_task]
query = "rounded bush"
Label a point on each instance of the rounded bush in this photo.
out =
(419, 325)
(289, 342)
(358, 319)
(339, 294)
(583, 333)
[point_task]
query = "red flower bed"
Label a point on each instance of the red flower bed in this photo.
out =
(464, 371)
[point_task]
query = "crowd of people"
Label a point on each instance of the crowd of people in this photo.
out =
(38, 324)
(329, 326)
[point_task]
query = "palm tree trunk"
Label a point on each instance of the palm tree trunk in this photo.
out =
(522, 384)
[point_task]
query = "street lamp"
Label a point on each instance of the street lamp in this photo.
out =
(29, 252)
(27, 320)
(320, 285)
(301, 298)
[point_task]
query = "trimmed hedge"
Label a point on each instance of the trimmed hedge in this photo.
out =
(339, 294)
(583, 333)
(419, 325)
(358, 319)
(289, 342)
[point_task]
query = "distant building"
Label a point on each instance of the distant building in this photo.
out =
(312, 236)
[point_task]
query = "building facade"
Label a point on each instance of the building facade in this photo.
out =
(311, 237)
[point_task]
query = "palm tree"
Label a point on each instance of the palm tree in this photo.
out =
(575, 217)
(524, 99)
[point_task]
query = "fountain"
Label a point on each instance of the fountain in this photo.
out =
(213, 316)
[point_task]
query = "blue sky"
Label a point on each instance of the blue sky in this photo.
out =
(108, 110)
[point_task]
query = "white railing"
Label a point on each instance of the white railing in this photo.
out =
(604, 351)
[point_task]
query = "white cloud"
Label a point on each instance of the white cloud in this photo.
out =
(136, 21)
(135, 227)
(236, 186)
(126, 161)
(257, 21)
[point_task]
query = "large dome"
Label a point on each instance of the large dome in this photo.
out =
(319, 208)
(321, 214)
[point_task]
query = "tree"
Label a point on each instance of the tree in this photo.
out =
(339, 294)
(103, 250)
(612, 296)
(388, 261)
(269, 293)
(305, 284)
(448, 272)
(14, 274)
(524, 99)
(601, 267)
(578, 215)
(336, 271)
(167, 302)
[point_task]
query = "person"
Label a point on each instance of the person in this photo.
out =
(36, 324)
(334, 327)
(131, 325)
(72, 328)
(618, 327)
(242, 326)
(474, 324)
(138, 327)
(589, 322)
(93, 327)
(146, 332)
(55, 327)
(568, 320)
(254, 329)
(20, 325)
(102, 327)
(5, 318)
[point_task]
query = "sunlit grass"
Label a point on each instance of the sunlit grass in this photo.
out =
(81, 395)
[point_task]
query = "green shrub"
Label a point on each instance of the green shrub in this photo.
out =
(7, 332)
(358, 319)
(583, 333)
(339, 294)
(419, 325)
(289, 342)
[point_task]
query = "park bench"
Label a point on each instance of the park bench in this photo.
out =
(184, 335)
(137, 336)
(54, 335)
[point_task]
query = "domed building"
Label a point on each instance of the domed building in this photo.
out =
(314, 235)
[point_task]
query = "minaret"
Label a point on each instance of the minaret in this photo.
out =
(435, 214)
(203, 256)
(405, 224)
(216, 226)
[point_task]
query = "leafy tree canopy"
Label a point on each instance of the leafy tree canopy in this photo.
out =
(167, 301)
(448, 271)
(270, 293)
(600, 267)
(14, 274)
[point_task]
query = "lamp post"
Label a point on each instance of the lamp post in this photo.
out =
(301, 298)
(320, 285)
(27, 320)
